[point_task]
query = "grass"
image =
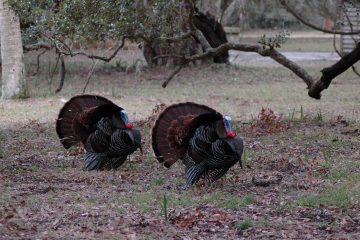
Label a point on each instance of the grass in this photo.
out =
(343, 197)
(245, 224)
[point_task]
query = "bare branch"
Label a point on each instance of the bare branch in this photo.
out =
(315, 88)
(177, 70)
(169, 56)
(38, 60)
(92, 71)
(62, 74)
(89, 76)
(353, 38)
(329, 73)
(354, 69)
(175, 39)
(225, 7)
(190, 5)
(298, 17)
(266, 52)
(37, 46)
(91, 56)
(56, 64)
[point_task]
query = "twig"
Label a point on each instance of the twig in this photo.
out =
(226, 5)
(168, 56)
(62, 75)
(298, 17)
(68, 52)
(92, 69)
(38, 60)
(175, 39)
(89, 76)
(53, 72)
(177, 70)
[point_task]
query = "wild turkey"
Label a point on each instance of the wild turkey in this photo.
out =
(103, 128)
(198, 135)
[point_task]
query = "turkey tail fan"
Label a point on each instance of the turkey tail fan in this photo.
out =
(75, 106)
(170, 130)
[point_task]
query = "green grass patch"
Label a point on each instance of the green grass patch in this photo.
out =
(228, 201)
(342, 197)
(158, 181)
(244, 224)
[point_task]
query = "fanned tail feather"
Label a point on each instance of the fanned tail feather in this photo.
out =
(76, 105)
(170, 130)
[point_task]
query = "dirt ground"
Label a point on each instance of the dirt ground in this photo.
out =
(301, 175)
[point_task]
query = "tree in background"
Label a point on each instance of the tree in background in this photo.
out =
(13, 68)
(163, 25)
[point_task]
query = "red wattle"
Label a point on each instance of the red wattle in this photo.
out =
(231, 134)
(129, 125)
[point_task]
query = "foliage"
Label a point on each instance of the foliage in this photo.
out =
(275, 41)
(79, 20)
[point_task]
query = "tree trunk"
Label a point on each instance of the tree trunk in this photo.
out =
(214, 33)
(13, 68)
(212, 30)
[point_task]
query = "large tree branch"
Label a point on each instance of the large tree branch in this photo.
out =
(302, 20)
(352, 37)
(315, 88)
(266, 52)
(329, 73)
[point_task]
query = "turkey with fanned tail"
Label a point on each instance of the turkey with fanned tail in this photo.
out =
(102, 127)
(200, 137)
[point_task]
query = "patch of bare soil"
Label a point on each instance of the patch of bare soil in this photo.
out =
(45, 193)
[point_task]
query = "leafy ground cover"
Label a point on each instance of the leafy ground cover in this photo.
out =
(301, 175)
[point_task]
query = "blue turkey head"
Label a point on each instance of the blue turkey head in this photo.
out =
(125, 119)
(224, 128)
(228, 127)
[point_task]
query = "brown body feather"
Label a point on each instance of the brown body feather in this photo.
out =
(174, 127)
